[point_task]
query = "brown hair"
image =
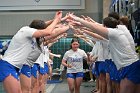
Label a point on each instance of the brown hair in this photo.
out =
(114, 15)
(110, 22)
(124, 20)
(75, 39)
(38, 24)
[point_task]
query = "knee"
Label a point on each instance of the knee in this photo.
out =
(71, 89)
(26, 88)
(33, 85)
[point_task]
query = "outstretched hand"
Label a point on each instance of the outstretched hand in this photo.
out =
(66, 16)
(58, 15)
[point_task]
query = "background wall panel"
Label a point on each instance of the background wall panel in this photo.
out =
(12, 21)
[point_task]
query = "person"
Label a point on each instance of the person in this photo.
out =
(25, 72)
(42, 67)
(18, 50)
(123, 24)
(125, 59)
(74, 58)
(37, 72)
(101, 53)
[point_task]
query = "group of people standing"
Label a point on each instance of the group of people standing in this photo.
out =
(113, 57)
(25, 64)
(115, 63)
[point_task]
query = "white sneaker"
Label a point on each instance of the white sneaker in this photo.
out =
(91, 80)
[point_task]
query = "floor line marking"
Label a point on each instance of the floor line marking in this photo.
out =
(50, 88)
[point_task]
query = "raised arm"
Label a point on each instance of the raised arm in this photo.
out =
(97, 28)
(58, 31)
(50, 28)
(94, 35)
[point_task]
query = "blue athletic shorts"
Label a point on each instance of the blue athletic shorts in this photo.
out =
(96, 70)
(131, 72)
(75, 75)
(35, 70)
(108, 62)
(7, 69)
(44, 70)
(102, 67)
(93, 69)
(26, 70)
(113, 72)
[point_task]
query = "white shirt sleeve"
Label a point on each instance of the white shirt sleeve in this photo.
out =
(28, 31)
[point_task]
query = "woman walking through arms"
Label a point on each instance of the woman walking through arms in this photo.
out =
(74, 58)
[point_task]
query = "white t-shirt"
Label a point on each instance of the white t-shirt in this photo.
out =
(41, 59)
(33, 56)
(128, 35)
(46, 56)
(101, 50)
(75, 58)
(96, 48)
(120, 48)
(20, 46)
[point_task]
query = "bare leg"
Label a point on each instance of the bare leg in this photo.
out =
(35, 85)
(126, 86)
(117, 87)
(137, 88)
(41, 83)
(25, 83)
(108, 81)
(12, 85)
(113, 87)
(45, 82)
(103, 82)
(97, 86)
(71, 83)
(78, 82)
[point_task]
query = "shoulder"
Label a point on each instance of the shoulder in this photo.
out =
(114, 32)
(27, 28)
(68, 51)
(27, 31)
(81, 50)
(24, 28)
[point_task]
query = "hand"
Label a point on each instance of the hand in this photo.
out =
(69, 66)
(64, 35)
(66, 17)
(74, 23)
(58, 55)
(58, 15)
(90, 19)
(88, 54)
(78, 31)
(94, 58)
(73, 17)
(87, 18)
